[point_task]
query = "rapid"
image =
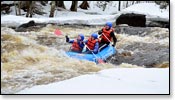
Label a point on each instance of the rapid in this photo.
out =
(38, 56)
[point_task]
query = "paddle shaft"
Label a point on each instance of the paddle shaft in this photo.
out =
(106, 37)
(90, 50)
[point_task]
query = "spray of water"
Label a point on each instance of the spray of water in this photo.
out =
(35, 58)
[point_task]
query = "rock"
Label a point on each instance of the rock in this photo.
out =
(30, 26)
(26, 25)
(132, 30)
(162, 65)
(143, 54)
(132, 19)
(158, 24)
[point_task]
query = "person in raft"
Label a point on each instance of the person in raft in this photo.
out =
(107, 33)
(77, 44)
(92, 44)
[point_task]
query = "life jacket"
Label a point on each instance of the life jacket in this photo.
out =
(107, 34)
(75, 46)
(91, 43)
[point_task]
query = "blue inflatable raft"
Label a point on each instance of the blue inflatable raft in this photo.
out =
(103, 54)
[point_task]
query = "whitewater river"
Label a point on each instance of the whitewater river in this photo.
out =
(38, 57)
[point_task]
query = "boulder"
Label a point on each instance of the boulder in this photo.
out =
(132, 19)
(24, 26)
(161, 24)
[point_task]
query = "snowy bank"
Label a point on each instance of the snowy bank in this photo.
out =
(12, 20)
(151, 10)
(110, 81)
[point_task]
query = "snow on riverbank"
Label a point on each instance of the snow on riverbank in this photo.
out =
(151, 10)
(110, 81)
(82, 19)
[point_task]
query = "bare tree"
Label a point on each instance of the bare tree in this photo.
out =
(126, 4)
(15, 8)
(137, 1)
(74, 6)
(84, 5)
(30, 5)
(104, 6)
(52, 10)
(119, 5)
(133, 2)
(19, 7)
(60, 4)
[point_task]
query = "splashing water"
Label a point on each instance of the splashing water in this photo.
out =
(35, 58)
(26, 63)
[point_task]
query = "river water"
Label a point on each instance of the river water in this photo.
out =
(38, 57)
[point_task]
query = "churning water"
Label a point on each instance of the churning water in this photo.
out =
(38, 57)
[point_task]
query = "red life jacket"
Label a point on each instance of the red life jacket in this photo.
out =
(91, 43)
(107, 34)
(75, 46)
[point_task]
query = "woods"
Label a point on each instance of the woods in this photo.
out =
(84, 5)
(52, 9)
(37, 7)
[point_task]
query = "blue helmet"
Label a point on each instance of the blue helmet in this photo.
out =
(95, 35)
(82, 37)
(109, 24)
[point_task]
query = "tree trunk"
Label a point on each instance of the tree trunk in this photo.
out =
(52, 10)
(31, 8)
(19, 7)
(28, 5)
(119, 5)
(138, 1)
(15, 8)
(104, 6)
(74, 6)
(126, 4)
(84, 5)
(133, 2)
(60, 4)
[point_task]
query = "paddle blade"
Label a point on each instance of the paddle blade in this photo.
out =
(58, 32)
(84, 49)
(100, 61)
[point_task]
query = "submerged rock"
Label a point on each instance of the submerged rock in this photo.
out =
(148, 47)
(142, 54)
(30, 26)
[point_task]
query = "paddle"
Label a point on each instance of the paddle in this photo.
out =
(58, 32)
(98, 59)
(107, 38)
